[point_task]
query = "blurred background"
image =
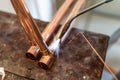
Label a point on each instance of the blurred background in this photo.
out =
(105, 20)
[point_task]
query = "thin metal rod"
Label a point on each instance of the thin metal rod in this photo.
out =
(112, 73)
(79, 4)
(22, 9)
(51, 28)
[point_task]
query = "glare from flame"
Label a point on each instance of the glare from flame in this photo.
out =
(55, 47)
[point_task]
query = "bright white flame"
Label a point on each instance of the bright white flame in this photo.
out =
(55, 47)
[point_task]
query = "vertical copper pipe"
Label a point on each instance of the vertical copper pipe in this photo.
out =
(50, 29)
(26, 18)
(33, 51)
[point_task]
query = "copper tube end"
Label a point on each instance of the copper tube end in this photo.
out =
(33, 53)
(47, 61)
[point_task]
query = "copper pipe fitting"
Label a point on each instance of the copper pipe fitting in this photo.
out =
(33, 53)
(47, 61)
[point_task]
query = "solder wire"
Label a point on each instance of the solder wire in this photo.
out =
(99, 56)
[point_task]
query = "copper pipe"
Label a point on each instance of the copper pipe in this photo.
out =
(50, 29)
(32, 53)
(79, 4)
(23, 22)
(21, 15)
(21, 9)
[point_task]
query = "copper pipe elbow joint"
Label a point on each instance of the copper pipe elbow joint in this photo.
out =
(33, 53)
(47, 61)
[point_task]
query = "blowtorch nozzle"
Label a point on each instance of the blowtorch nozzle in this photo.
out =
(68, 23)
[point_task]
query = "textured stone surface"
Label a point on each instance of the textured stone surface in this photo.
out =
(77, 61)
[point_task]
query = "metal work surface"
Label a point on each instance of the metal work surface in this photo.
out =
(77, 61)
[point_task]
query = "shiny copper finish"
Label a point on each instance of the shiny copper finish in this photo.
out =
(25, 24)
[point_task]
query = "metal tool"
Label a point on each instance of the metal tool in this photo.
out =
(68, 23)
